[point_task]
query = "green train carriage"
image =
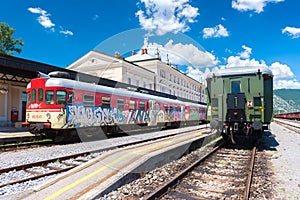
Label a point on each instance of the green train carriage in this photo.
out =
(240, 100)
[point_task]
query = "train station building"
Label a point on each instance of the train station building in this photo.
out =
(141, 70)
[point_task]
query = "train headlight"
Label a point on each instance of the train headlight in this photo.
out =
(48, 115)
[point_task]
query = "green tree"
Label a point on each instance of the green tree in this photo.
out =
(9, 45)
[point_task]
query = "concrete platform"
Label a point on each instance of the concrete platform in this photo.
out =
(9, 131)
(115, 168)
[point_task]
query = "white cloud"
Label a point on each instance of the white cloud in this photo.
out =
(283, 75)
(246, 53)
(66, 32)
(281, 71)
(256, 5)
(217, 31)
(161, 17)
(182, 54)
(195, 73)
(46, 22)
(43, 19)
(290, 84)
(291, 31)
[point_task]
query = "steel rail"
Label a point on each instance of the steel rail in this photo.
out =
(164, 188)
(250, 174)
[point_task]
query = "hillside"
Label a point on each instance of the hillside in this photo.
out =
(286, 100)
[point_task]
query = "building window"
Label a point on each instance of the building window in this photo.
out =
(28, 98)
(137, 82)
(129, 81)
(170, 77)
(150, 86)
(162, 74)
(144, 84)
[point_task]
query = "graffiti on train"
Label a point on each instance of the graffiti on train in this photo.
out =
(80, 116)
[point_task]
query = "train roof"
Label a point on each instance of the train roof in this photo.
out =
(245, 70)
(68, 83)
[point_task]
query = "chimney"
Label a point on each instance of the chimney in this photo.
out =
(167, 60)
(132, 53)
(146, 52)
(117, 54)
(143, 51)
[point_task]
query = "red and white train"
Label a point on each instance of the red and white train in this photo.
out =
(57, 106)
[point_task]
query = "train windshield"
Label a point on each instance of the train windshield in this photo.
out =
(50, 97)
(61, 97)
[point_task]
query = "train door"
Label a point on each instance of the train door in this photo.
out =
(152, 113)
(24, 95)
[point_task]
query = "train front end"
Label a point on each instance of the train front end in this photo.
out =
(240, 101)
(45, 109)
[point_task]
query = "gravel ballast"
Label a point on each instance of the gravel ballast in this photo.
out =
(285, 161)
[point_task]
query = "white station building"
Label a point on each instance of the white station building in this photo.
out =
(141, 70)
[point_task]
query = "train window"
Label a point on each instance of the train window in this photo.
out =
(33, 95)
(88, 100)
(248, 85)
(40, 94)
(142, 105)
(105, 102)
(257, 101)
(28, 98)
(50, 97)
(235, 87)
(61, 97)
(70, 98)
(157, 106)
(166, 108)
(120, 104)
(132, 105)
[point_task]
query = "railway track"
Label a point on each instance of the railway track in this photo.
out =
(222, 173)
(21, 145)
(289, 124)
(58, 165)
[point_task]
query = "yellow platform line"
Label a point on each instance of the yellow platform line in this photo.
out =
(59, 192)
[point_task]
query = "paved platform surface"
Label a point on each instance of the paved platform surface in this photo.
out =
(88, 180)
(10, 131)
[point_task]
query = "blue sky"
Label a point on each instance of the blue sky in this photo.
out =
(233, 32)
